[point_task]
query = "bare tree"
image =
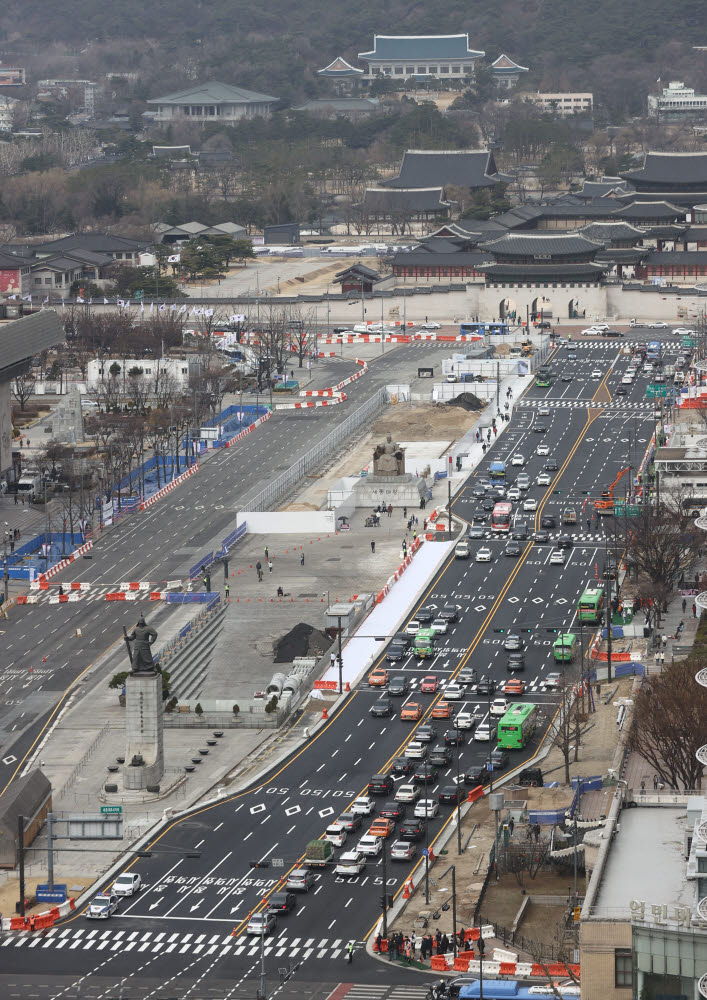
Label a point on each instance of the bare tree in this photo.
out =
(663, 542)
(23, 387)
(668, 723)
(567, 728)
(521, 858)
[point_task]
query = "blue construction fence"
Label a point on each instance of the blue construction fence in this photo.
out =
(226, 544)
(233, 420)
(198, 597)
(630, 669)
(32, 558)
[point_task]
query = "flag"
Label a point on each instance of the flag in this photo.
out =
(90, 301)
(182, 309)
(120, 302)
(162, 307)
(208, 312)
(142, 307)
(45, 301)
(26, 298)
(172, 307)
(13, 297)
(174, 258)
(79, 299)
(105, 302)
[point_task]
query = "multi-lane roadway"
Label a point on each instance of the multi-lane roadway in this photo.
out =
(186, 930)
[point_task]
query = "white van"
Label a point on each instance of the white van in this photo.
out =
(462, 550)
(336, 835)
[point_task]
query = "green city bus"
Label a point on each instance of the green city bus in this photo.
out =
(424, 643)
(591, 605)
(517, 726)
(565, 647)
(543, 377)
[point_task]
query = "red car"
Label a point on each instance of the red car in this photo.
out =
(429, 684)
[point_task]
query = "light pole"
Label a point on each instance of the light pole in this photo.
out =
(339, 611)
(427, 845)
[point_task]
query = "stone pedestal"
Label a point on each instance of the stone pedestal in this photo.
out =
(400, 491)
(144, 713)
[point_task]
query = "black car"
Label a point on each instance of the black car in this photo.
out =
(515, 661)
(282, 902)
(467, 676)
(566, 377)
(612, 333)
(425, 773)
(411, 829)
(382, 707)
(610, 567)
(393, 810)
(548, 521)
(476, 531)
(350, 821)
(499, 759)
(519, 532)
(540, 429)
(542, 537)
(564, 542)
(514, 643)
(397, 651)
(425, 734)
(488, 504)
(477, 775)
(450, 793)
(403, 765)
(398, 686)
(449, 612)
(454, 738)
(551, 466)
(479, 517)
(487, 686)
(621, 391)
(426, 615)
(441, 756)
(512, 549)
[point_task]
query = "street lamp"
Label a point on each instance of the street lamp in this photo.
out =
(340, 611)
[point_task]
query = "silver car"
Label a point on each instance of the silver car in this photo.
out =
(263, 922)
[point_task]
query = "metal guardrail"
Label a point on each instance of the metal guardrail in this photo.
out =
(315, 456)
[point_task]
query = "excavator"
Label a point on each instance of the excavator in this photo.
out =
(606, 504)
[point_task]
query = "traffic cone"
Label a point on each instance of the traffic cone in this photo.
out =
(325, 714)
(233, 932)
(44, 659)
(432, 856)
(347, 686)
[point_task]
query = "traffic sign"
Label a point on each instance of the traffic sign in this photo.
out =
(425, 852)
(278, 862)
(656, 390)
(626, 509)
(111, 810)
(687, 342)
(577, 913)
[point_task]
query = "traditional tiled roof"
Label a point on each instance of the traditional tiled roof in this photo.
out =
(214, 93)
(359, 270)
(542, 269)
(670, 169)
(603, 188)
(610, 232)
(340, 69)
(24, 337)
(663, 232)
(472, 168)
(99, 242)
(537, 244)
(57, 263)
(391, 200)
(421, 47)
(695, 234)
(650, 210)
(343, 104)
(504, 64)
(676, 257)
(10, 262)
(623, 255)
(416, 258)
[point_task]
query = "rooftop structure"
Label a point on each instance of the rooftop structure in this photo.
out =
(403, 203)
(468, 168)
(12, 76)
(333, 107)
(680, 178)
(212, 101)
(402, 57)
(188, 230)
(339, 69)
(677, 102)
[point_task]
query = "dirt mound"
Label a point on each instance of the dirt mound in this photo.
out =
(423, 422)
(302, 640)
(468, 401)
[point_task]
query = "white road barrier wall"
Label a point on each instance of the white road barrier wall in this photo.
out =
(288, 522)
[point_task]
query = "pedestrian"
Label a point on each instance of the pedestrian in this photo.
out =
(413, 943)
(12, 547)
(679, 630)
(408, 951)
(390, 510)
(624, 613)
(664, 640)
(373, 546)
(506, 407)
(697, 575)
(589, 524)
(301, 559)
(694, 610)
(529, 833)
(536, 831)
(23, 499)
(269, 565)
(206, 582)
(267, 553)
(511, 825)
(445, 944)
(405, 512)
(16, 495)
(259, 570)
(483, 448)
(684, 605)
(332, 659)
(393, 947)
(438, 940)
(228, 590)
(655, 782)
(350, 952)
(414, 536)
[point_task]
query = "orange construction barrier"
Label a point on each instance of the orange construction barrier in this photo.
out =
(506, 968)
(476, 793)
(472, 934)
(439, 963)
(461, 964)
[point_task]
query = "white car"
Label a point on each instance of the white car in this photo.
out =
(658, 324)
(465, 720)
(552, 681)
(431, 325)
(601, 327)
(597, 373)
(544, 479)
(590, 331)
(482, 733)
(370, 845)
(544, 411)
(557, 558)
(453, 692)
(336, 835)
(499, 706)
(452, 378)
(513, 493)
(415, 750)
(517, 459)
(127, 884)
(407, 793)
(627, 379)
(412, 628)
(543, 449)
(440, 626)
(682, 331)
(426, 809)
(483, 555)
(364, 805)
(102, 906)
(350, 863)
(530, 504)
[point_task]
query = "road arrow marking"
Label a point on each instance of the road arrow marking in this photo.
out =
(196, 906)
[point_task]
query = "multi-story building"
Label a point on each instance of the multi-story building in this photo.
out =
(211, 102)
(562, 103)
(506, 72)
(12, 76)
(404, 57)
(677, 101)
(181, 370)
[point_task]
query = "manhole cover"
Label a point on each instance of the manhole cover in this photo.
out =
(308, 595)
(333, 559)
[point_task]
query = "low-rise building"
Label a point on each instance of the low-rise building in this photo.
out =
(404, 57)
(211, 102)
(188, 230)
(506, 72)
(181, 370)
(12, 76)
(677, 102)
(563, 103)
(7, 112)
(341, 107)
(401, 206)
